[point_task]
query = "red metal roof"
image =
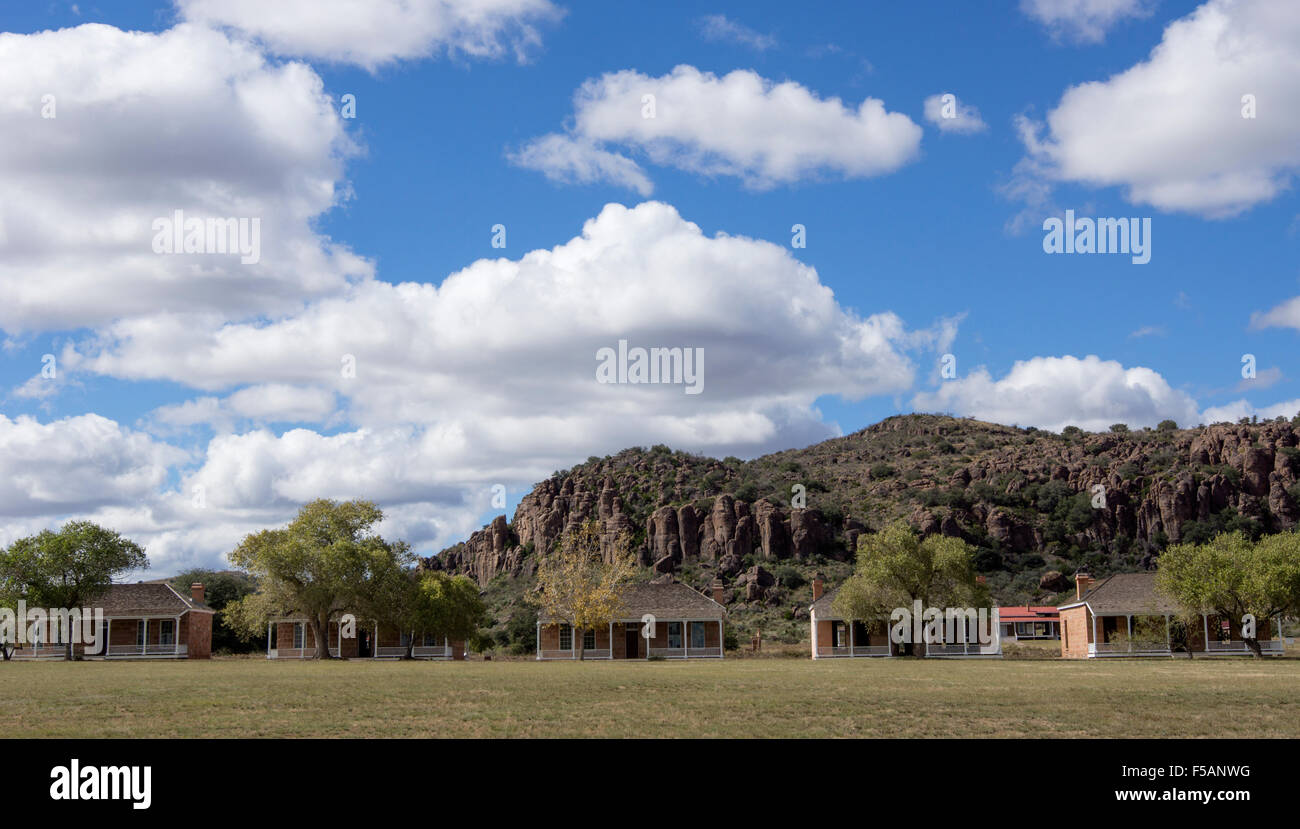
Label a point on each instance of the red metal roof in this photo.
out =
(1022, 613)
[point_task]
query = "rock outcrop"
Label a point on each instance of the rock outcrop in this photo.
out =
(1016, 491)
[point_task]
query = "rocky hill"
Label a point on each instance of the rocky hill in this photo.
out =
(1034, 504)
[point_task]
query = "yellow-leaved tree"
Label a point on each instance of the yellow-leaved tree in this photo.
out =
(579, 584)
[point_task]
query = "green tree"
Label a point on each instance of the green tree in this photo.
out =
(896, 567)
(428, 602)
(1232, 576)
(1167, 426)
(69, 568)
(450, 605)
(578, 584)
(322, 562)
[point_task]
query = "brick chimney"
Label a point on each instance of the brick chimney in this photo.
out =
(1082, 583)
(717, 589)
(818, 586)
(196, 592)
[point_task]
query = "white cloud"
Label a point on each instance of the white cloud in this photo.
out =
(571, 160)
(146, 124)
(77, 464)
(1148, 331)
(506, 336)
(371, 33)
(953, 116)
(269, 403)
(1284, 315)
(740, 125)
(1085, 21)
(720, 27)
(1055, 392)
(1170, 130)
(1236, 410)
(1263, 379)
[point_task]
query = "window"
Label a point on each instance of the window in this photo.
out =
(430, 641)
(674, 634)
(139, 632)
(167, 632)
(588, 640)
(837, 634)
(566, 638)
(299, 635)
(697, 634)
(405, 640)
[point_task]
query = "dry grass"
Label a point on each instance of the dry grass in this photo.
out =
(731, 698)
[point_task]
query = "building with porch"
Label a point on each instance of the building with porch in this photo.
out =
(687, 625)
(1029, 622)
(294, 637)
(834, 636)
(1124, 615)
(141, 621)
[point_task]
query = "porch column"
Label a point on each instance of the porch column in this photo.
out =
(268, 639)
(1205, 619)
(144, 647)
(812, 617)
(852, 639)
(176, 638)
(108, 637)
(1169, 643)
(611, 640)
(573, 642)
(539, 639)
(1095, 643)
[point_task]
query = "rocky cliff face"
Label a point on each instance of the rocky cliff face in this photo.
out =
(722, 537)
(1021, 494)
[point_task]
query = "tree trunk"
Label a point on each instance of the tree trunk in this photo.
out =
(322, 630)
(410, 646)
(1253, 644)
(582, 652)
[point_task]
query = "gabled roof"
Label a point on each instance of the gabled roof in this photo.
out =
(822, 607)
(672, 600)
(1126, 593)
(130, 600)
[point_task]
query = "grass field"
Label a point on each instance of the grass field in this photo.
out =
(731, 698)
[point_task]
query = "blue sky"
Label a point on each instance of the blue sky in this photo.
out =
(176, 380)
